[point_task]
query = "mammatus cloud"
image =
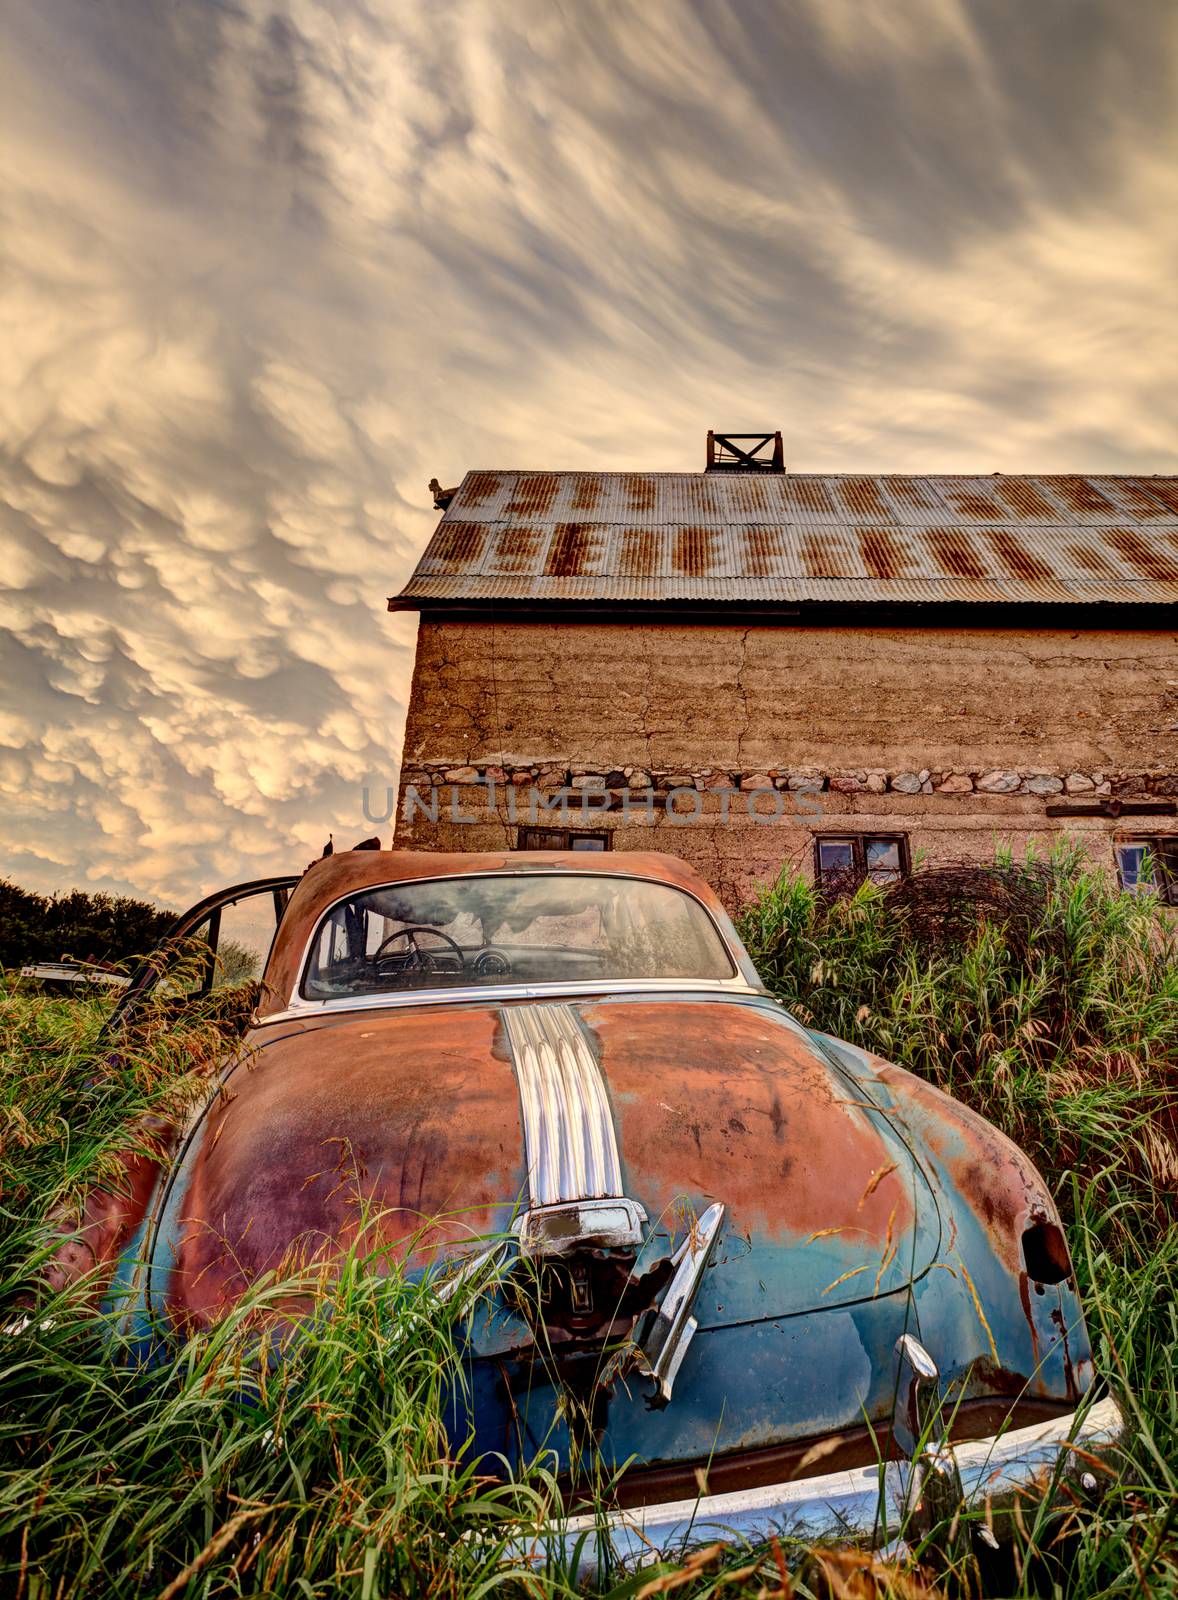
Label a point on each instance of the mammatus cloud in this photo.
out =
(267, 269)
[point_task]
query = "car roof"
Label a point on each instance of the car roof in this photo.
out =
(335, 876)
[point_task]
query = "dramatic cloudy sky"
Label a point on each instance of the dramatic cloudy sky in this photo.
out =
(266, 268)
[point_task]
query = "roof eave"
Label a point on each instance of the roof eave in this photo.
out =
(1089, 613)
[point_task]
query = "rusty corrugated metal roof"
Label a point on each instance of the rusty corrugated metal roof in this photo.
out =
(760, 538)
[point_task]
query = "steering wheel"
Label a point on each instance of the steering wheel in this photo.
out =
(414, 958)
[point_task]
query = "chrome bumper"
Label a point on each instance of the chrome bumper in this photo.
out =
(866, 1506)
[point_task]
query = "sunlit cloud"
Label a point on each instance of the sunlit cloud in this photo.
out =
(267, 270)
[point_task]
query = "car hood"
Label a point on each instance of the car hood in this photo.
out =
(407, 1122)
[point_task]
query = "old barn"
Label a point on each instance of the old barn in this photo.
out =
(748, 666)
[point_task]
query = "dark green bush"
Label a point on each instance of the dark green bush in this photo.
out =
(84, 927)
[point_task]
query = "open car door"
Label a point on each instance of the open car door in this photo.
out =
(222, 942)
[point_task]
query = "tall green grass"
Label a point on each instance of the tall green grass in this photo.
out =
(328, 1474)
(1048, 1000)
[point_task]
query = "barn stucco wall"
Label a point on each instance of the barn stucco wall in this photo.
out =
(848, 711)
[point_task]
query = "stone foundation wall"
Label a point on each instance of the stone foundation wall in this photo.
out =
(960, 740)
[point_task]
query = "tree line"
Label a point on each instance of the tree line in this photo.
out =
(86, 927)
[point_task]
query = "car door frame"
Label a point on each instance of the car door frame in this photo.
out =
(151, 970)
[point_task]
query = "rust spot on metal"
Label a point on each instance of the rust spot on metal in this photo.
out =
(699, 492)
(1069, 1370)
(1161, 491)
(999, 1208)
(534, 494)
(991, 1376)
(640, 552)
(764, 551)
(458, 544)
(977, 507)
(956, 552)
(1024, 1294)
(862, 498)
(823, 556)
(1140, 553)
(692, 554)
(1092, 560)
(883, 552)
(1014, 555)
(992, 1175)
(807, 494)
(574, 547)
(1079, 495)
(913, 492)
(760, 495)
(639, 489)
(808, 1159)
(586, 492)
(1024, 499)
(371, 1126)
(515, 549)
(111, 1211)
(481, 487)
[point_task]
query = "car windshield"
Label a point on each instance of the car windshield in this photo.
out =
(515, 928)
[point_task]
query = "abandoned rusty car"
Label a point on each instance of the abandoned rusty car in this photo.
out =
(767, 1261)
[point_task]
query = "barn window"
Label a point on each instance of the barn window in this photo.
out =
(561, 839)
(1145, 864)
(844, 861)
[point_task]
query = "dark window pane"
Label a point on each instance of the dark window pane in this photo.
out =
(561, 839)
(836, 856)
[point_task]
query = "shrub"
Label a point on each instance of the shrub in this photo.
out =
(1041, 993)
(86, 927)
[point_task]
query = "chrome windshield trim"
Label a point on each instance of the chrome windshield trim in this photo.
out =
(296, 1001)
(863, 1506)
(494, 993)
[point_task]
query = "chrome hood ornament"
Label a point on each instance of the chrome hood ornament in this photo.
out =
(671, 1327)
(575, 1182)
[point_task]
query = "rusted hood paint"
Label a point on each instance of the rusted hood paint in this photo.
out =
(404, 1126)
(408, 1121)
(731, 1101)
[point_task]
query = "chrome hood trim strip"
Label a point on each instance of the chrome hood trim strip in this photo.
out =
(570, 1144)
